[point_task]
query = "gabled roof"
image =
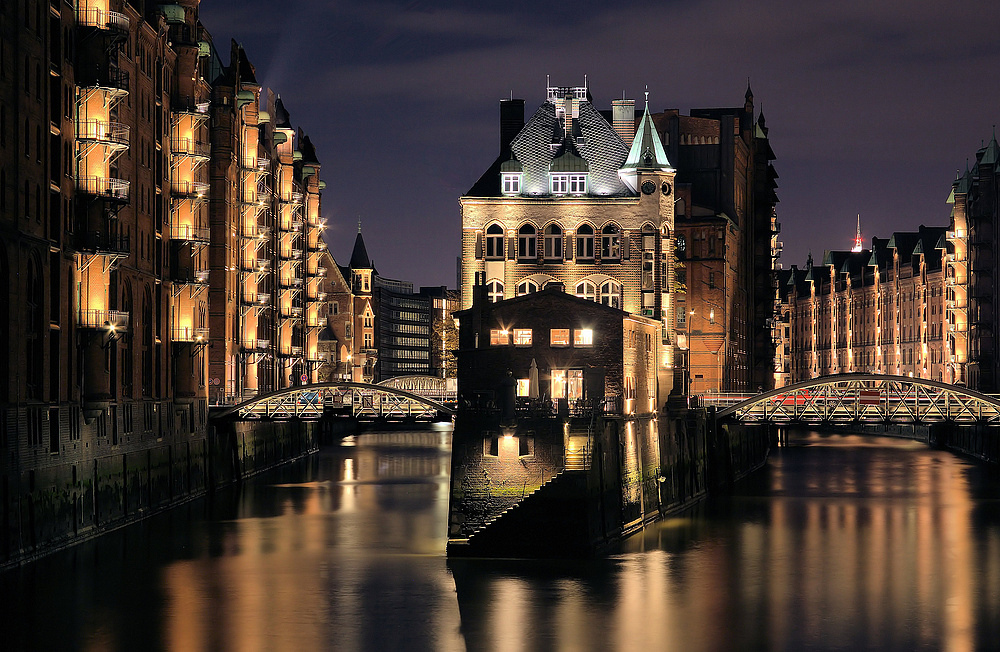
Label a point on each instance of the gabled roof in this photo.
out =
(359, 257)
(991, 156)
(307, 149)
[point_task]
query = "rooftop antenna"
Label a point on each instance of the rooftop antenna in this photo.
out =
(585, 87)
(548, 83)
(359, 224)
(647, 96)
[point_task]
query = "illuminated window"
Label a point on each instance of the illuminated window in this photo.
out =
(567, 383)
(494, 242)
(526, 241)
(499, 337)
(586, 290)
(553, 242)
(494, 291)
(523, 386)
(368, 341)
(583, 337)
(610, 243)
(522, 337)
(526, 287)
(511, 183)
(560, 184)
(559, 337)
(611, 294)
(585, 242)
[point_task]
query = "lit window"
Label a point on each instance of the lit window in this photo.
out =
(526, 287)
(577, 184)
(583, 337)
(585, 242)
(558, 383)
(494, 291)
(526, 241)
(586, 290)
(522, 337)
(511, 183)
(567, 383)
(610, 243)
(499, 337)
(560, 184)
(523, 386)
(368, 341)
(553, 242)
(611, 294)
(559, 337)
(494, 241)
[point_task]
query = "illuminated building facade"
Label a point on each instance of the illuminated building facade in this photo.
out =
(125, 177)
(881, 310)
(726, 245)
(572, 201)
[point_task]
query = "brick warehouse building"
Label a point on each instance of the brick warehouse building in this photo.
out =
(128, 151)
(566, 200)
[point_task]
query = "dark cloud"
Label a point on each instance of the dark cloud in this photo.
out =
(872, 106)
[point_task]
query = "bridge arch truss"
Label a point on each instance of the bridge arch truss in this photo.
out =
(873, 398)
(362, 400)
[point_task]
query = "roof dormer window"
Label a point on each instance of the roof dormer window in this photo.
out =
(568, 184)
(511, 183)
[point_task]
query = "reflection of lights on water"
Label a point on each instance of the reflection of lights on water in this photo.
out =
(348, 469)
(348, 441)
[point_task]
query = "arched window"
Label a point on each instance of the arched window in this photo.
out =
(610, 243)
(585, 242)
(526, 287)
(494, 291)
(611, 294)
(494, 241)
(553, 242)
(526, 242)
(586, 290)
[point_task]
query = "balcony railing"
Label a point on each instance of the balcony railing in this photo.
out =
(110, 244)
(291, 282)
(103, 131)
(113, 320)
(255, 345)
(193, 277)
(190, 147)
(113, 79)
(189, 188)
(189, 233)
(105, 187)
(263, 264)
(102, 19)
(296, 350)
(190, 334)
(189, 105)
(321, 272)
(254, 231)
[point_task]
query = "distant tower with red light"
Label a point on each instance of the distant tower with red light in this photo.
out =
(859, 244)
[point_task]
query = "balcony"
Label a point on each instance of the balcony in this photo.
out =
(105, 132)
(296, 351)
(113, 81)
(189, 334)
(192, 277)
(291, 282)
(189, 233)
(321, 272)
(263, 264)
(111, 21)
(292, 226)
(296, 254)
(188, 105)
(112, 320)
(195, 189)
(190, 147)
(254, 231)
(294, 198)
(106, 244)
(255, 345)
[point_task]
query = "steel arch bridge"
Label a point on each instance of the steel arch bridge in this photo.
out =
(362, 400)
(872, 398)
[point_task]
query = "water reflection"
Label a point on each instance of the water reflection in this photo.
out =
(840, 543)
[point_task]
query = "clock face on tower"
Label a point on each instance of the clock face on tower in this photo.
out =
(665, 189)
(648, 187)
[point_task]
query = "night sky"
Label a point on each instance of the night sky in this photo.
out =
(872, 108)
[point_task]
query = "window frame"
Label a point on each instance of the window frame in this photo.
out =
(593, 296)
(510, 183)
(612, 291)
(583, 337)
(552, 242)
(585, 242)
(495, 291)
(522, 337)
(559, 183)
(494, 242)
(560, 338)
(611, 243)
(527, 286)
(578, 184)
(499, 337)
(527, 242)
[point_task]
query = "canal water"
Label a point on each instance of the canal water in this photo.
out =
(841, 543)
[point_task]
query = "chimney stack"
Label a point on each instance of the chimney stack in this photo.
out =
(511, 122)
(623, 119)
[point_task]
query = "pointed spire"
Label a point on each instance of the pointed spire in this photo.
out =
(749, 94)
(859, 244)
(647, 152)
(359, 257)
(359, 225)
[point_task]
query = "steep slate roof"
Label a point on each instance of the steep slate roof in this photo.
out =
(647, 151)
(597, 144)
(307, 149)
(281, 118)
(359, 257)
